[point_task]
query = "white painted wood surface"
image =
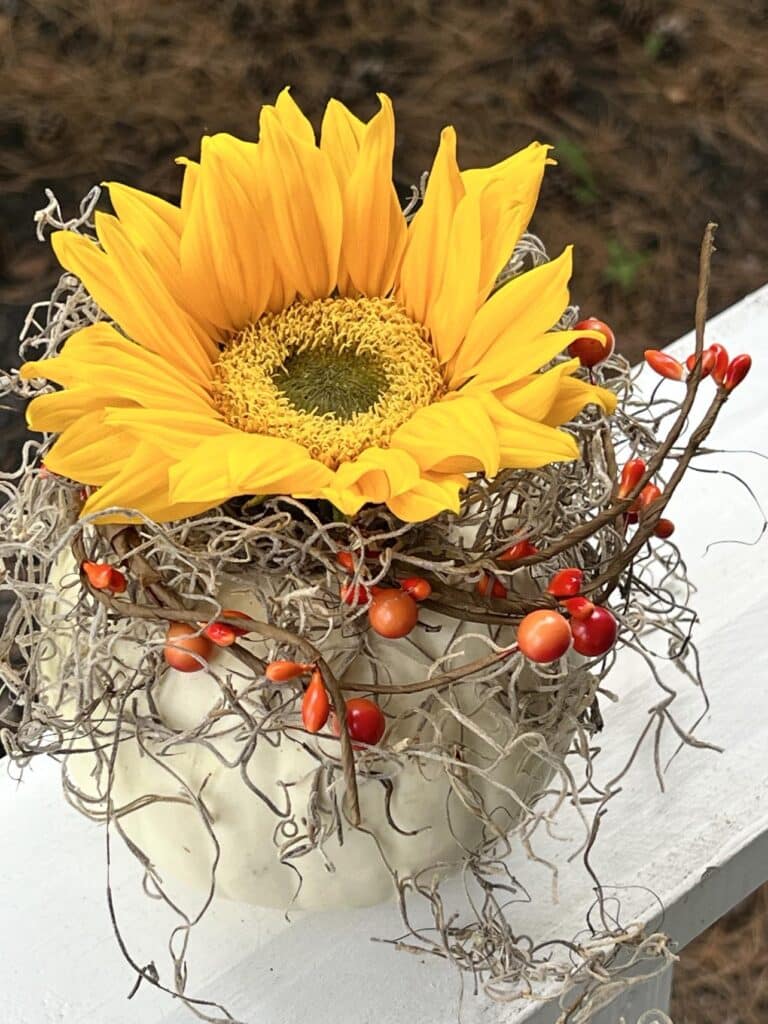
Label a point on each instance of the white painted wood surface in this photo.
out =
(700, 847)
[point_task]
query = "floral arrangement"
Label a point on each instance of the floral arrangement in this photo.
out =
(345, 503)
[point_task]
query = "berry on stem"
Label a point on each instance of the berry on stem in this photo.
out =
(392, 613)
(664, 364)
(708, 360)
(543, 636)
(721, 363)
(354, 593)
(417, 587)
(664, 528)
(221, 633)
(596, 634)
(315, 705)
(365, 721)
(102, 576)
(282, 671)
(648, 495)
(566, 583)
(185, 650)
(738, 368)
(578, 607)
(522, 549)
(631, 475)
(591, 351)
(489, 586)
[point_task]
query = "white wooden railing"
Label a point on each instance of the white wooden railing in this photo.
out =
(700, 847)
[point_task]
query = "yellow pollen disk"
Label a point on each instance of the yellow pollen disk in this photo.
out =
(335, 375)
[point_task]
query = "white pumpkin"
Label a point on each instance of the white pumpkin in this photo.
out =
(267, 859)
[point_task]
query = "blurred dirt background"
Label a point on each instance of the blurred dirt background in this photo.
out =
(657, 110)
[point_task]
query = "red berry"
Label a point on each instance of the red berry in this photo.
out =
(665, 365)
(417, 587)
(117, 582)
(315, 706)
(354, 593)
(522, 549)
(393, 613)
(566, 583)
(595, 635)
(365, 721)
(591, 351)
(185, 650)
(664, 528)
(99, 574)
(488, 585)
(708, 360)
(543, 636)
(648, 495)
(578, 607)
(738, 368)
(721, 363)
(222, 634)
(346, 560)
(630, 476)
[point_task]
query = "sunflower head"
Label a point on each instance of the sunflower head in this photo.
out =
(285, 330)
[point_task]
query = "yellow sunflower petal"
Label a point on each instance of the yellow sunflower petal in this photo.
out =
(188, 183)
(98, 357)
(450, 436)
(376, 475)
(127, 289)
(88, 453)
(512, 359)
(174, 432)
(571, 398)
(434, 493)
(239, 463)
(226, 263)
(526, 444)
(142, 484)
(303, 215)
(508, 192)
(340, 136)
(59, 409)
(421, 272)
(452, 312)
(534, 395)
(374, 226)
(522, 309)
(292, 118)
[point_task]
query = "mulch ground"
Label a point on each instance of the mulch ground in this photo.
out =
(657, 110)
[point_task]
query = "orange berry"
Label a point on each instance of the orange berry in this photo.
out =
(282, 671)
(393, 613)
(664, 364)
(417, 587)
(544, 636)
(99, 574)
(315, 706)
(185, 650)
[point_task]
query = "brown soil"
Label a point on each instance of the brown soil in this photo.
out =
(657, 110)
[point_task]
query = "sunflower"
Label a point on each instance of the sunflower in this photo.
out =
(285, 329)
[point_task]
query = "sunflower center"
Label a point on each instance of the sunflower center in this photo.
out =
(335, 375)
